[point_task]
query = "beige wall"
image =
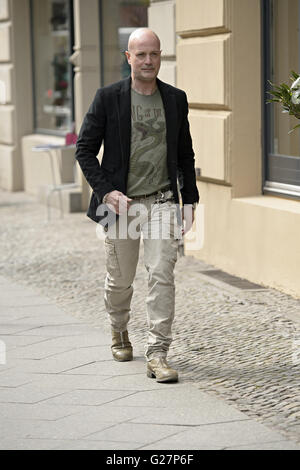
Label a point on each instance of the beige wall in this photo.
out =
(220, 72)
(86, 59)
(161, 18)
(16, 90)
(253, 237)
(219, 66)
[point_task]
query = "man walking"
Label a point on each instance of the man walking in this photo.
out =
(147, 149)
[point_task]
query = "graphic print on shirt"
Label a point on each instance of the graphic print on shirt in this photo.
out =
(151, 137)
(148, 166)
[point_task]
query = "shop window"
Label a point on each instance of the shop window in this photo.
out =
(117, 21)
(52, 43)
(281, 56)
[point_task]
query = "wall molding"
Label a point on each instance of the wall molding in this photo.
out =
(203, 32)
(209, 107)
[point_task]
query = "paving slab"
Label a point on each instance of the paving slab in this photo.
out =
(281, 445)
(110, 413)
(11, 298)
(70, 342)
(28, 393)
(38, 411)
(55, 330)
(220, 436)
(182, 394)
(14, 341)
(32, 444)
(137, 366)
(208, 411)
(141, 433)
(88, 397)
(40, 429)
(138, 382)
(37, 315)
(98, 445)
(58, 362)
(67, 382)
(14, 329)
(12, 380)
(50, 349)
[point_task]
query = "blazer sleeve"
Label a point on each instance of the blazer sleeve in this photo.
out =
(186, 160)
(88, 146)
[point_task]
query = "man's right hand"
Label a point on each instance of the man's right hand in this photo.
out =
(118, 202)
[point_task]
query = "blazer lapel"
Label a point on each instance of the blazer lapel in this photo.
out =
(169, 102)
(124, 117)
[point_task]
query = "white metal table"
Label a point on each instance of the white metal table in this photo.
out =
(51, 150)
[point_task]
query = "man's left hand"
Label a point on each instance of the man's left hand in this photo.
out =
(188, 215)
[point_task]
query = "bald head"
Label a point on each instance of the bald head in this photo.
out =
(143, 56)
(143, 36)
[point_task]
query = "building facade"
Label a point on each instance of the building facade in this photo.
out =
(54, 54)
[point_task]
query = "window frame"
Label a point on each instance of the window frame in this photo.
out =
(276, 188)
(37, 129)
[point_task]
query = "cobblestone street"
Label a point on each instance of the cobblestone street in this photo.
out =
(240, 344)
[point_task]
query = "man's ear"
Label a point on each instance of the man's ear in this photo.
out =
(127, 56)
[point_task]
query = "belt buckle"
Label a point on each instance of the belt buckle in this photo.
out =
(160, 197)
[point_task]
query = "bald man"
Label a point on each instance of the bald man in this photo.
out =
(148, 154)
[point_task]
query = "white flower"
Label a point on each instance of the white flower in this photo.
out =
(296, 97)
(296, 84)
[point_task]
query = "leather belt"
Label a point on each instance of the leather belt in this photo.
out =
(160, 191)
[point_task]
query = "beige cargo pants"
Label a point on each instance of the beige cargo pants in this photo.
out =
(158, 224)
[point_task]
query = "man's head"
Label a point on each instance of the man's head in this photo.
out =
(143, 54)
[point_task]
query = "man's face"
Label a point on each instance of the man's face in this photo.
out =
(144, 58)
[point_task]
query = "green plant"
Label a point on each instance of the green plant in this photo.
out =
(289, 97)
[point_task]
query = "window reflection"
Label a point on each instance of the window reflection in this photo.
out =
(52, 70)
(285, 57)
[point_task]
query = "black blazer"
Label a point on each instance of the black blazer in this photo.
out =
(108, 120)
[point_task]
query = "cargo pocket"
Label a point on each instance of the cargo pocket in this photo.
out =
(112, 263)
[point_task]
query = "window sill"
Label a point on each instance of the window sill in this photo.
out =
(272, 202)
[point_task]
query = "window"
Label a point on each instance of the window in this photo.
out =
(118, 19)
(281, 55)
(52, 42)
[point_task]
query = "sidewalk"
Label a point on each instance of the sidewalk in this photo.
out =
(60, 389)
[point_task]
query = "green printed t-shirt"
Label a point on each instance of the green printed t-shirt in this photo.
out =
(148, 170)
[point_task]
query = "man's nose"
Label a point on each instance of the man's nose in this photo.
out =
(148, 59)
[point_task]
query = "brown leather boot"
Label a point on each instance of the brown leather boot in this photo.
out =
(159, 369)
(121, 347)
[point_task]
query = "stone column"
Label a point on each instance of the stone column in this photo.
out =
(16, 113)
(86, 59)
(161, 18)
